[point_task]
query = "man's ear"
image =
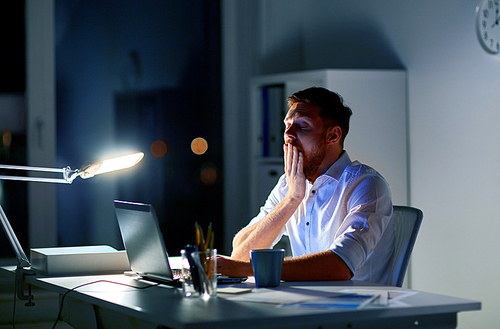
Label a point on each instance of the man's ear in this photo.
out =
(333, 134)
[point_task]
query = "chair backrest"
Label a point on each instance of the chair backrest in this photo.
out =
(407, 222)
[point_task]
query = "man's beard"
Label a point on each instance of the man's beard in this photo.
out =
(313, 160)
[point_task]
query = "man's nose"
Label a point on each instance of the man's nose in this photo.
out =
(289, 135)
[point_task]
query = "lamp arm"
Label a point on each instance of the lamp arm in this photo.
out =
(22, 261)
(68, 174)
(18, 250)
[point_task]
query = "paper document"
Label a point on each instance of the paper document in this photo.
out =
(390, 298)
(341, 300)
(307, 298)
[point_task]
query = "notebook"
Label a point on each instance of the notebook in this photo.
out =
(145, 246)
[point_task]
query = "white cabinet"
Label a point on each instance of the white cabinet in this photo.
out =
(378, 129)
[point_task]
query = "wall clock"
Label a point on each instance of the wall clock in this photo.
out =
(487, 25)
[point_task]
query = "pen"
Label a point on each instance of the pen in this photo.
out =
(200, 241)
(209, 237)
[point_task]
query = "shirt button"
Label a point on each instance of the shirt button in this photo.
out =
(313, 191)
(307, 223)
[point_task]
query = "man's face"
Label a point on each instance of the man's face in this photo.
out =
(304, 129)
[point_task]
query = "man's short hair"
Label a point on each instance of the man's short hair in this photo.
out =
(333, 111)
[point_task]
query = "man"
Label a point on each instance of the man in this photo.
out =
(337, 213)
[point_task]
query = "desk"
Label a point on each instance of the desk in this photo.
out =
(104, 304)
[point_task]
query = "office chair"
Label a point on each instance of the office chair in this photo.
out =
(407, 222)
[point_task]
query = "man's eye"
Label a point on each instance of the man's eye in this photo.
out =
(297, 126)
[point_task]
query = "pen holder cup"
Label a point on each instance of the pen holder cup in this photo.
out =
(199, 273)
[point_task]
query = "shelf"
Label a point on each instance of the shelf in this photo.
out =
(377, 135)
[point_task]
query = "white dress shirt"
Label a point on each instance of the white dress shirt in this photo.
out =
(347, 210)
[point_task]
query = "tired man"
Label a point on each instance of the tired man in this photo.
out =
(336, 212)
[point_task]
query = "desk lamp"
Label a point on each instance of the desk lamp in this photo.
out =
(86, 171)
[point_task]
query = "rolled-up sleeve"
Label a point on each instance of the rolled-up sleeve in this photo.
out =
(368, 216)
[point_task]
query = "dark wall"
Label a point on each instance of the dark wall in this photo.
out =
(13, 151)
(12, 56)
(111, 49)
(183, 187)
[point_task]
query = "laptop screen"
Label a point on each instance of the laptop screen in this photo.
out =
(142, 238)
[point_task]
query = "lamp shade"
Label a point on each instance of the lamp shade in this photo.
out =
(113, 164)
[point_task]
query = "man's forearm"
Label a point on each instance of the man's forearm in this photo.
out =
(321, 266)
(262, 234)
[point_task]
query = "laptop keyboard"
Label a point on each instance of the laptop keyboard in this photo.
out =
(176, 273)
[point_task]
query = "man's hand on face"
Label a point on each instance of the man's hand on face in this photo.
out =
(294, 172)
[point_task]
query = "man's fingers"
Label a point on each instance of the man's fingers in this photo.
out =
(300, 169)
(288, 158)
(295, 159)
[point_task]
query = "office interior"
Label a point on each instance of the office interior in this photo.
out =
(82, 58)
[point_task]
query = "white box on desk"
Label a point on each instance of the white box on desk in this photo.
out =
(85, 260)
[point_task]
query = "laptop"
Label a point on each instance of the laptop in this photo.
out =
(145, 246)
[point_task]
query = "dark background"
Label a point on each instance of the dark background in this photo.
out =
(128, 73)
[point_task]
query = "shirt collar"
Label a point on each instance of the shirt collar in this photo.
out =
(337, 168)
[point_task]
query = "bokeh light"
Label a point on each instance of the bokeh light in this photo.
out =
(159, 149)
(199, 146)
(6, 138)
(208, 175)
